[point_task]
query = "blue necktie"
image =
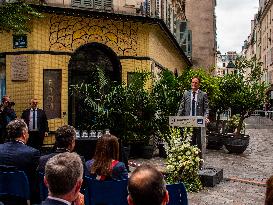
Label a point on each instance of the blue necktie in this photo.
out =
(34, 120)
(193, 104)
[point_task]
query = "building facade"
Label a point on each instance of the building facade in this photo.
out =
(225, 63)
(201, 21)
(259, 43)
(69, 41)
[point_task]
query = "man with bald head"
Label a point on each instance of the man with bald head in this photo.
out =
(146, 186)
(36, 121)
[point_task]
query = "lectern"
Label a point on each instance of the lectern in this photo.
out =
(191, 121)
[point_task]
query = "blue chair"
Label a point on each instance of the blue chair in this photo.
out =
(14, 184)
(42, 187)
(105, 192)
(178, 194)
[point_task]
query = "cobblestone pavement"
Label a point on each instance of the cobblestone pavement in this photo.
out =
(249, 171)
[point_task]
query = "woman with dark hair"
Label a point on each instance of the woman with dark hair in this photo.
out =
(105, 164)
(269, 192)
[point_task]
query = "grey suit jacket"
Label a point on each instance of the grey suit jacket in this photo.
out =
(202, 108)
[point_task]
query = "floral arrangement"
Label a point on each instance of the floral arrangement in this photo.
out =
(183, 160)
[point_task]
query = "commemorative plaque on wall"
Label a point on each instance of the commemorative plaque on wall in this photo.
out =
(52, 93)
(19, 68)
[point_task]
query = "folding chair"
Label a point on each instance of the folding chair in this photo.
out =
(14, 186)
(106, 192)
(178, 194)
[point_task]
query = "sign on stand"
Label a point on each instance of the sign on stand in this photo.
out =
(187, 121)
(191, 121)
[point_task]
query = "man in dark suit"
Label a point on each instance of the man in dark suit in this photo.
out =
(65, 137)
(7, 114)
(37, 124)
(17, 154)
(195, 103)
(63, 177)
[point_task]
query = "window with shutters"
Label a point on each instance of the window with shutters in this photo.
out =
(96, 4)
(76, 2)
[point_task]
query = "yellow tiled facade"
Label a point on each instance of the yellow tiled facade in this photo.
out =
(54, 38)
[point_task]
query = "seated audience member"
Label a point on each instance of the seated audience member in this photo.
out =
(105, 164)
(65, 142)
(63, 177)
(146, 186)
(269, 191)
(16, 153)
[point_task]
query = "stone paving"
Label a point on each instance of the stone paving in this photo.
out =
(249, 172)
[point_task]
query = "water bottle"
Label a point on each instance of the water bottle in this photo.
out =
(84, 134)
(93, 134)
(78, 135)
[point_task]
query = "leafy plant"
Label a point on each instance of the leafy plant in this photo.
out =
(128, 111)
(17, 16)
(140, 109)
(183, 160)
(166, 93)
(91, 100)
(244, 92)
(233, 123)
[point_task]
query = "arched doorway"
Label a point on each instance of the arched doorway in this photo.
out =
(83, 67)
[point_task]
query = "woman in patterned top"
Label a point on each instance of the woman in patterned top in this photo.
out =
(105, 164)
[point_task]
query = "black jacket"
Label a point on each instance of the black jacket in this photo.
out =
(41, 119)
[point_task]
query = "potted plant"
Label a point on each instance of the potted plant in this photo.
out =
(218, 107)
(127, 110)
(244, 93)
(166, 93)
(132, 112)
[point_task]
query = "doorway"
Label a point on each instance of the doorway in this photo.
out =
(83, 68)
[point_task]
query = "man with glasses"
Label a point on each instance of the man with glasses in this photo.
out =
(36, 121)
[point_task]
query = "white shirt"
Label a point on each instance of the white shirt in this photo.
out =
(58, 199)
(196, 95)
(31, 120)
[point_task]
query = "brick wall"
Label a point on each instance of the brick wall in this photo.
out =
(139, 46)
